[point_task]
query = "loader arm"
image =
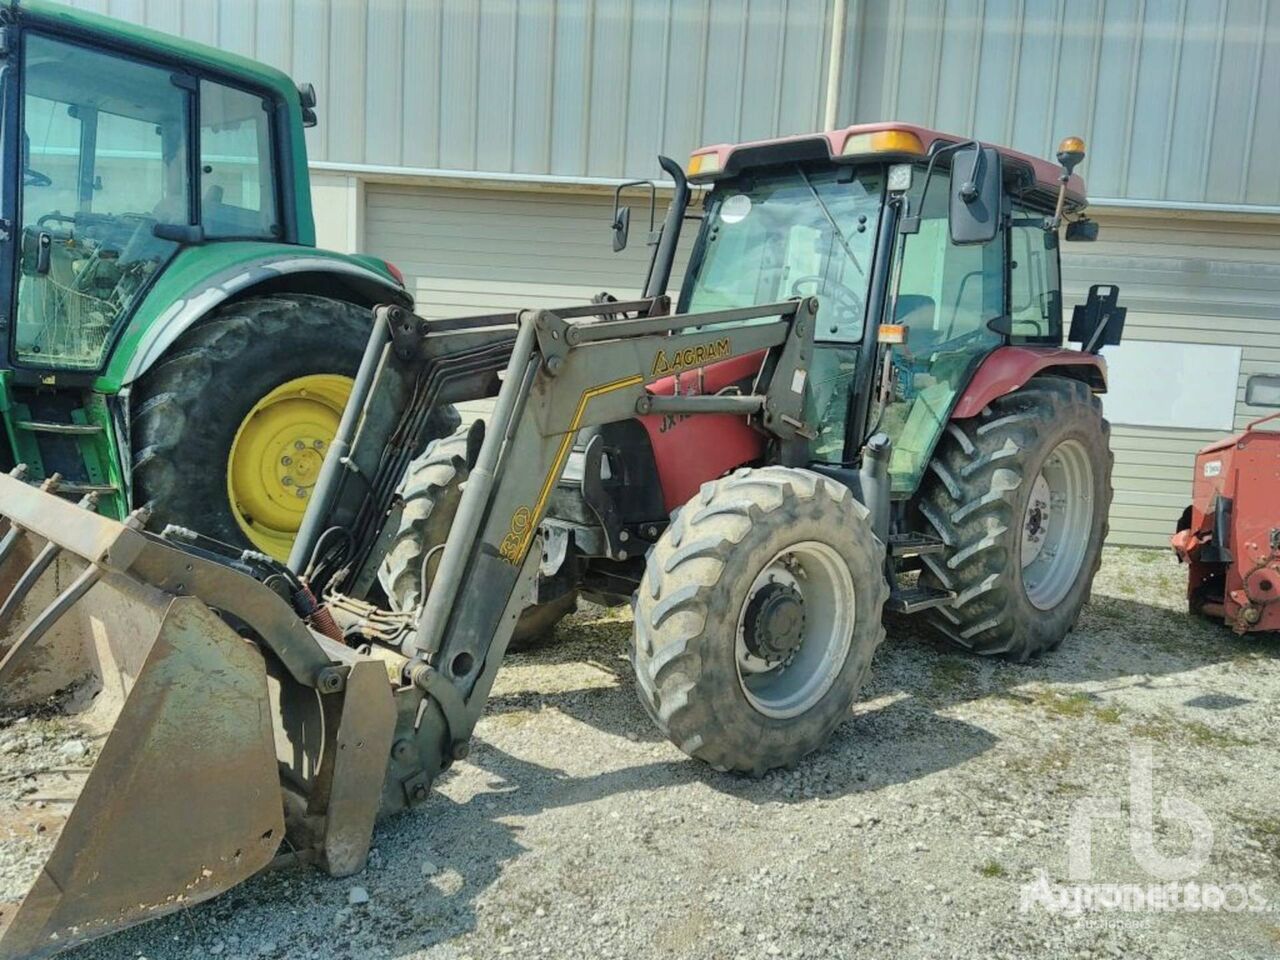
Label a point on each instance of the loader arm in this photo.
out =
(554, 373)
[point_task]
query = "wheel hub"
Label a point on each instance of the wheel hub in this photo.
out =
(1035, 527)
(1057, 525)
(774, 622)
(277, 454)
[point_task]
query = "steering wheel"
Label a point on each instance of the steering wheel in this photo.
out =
(962, 343)
(54, 216)
(34, 178)
(846, 299)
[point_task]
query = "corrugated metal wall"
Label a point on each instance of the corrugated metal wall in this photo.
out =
(564, 87)
(1176, 97)
(1184, 281)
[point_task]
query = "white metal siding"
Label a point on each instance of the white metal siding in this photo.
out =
(1172, 95)
(474, 251)
(1184, 281)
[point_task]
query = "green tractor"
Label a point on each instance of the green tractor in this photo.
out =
(169, 333)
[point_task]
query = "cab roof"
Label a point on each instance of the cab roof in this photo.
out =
(98, 30)
(889, 141)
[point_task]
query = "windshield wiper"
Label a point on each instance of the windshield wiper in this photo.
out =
(830, 219)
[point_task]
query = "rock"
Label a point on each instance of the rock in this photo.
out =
(429, 869)
(12, 745)
(73, 750)
(357, 896)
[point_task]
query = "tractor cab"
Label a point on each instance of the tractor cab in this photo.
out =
(927, 254)
(123, 162)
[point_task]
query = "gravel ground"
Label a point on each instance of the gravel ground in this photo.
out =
(574, 830)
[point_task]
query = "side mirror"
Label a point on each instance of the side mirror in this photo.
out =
(975, 194)
(621, 227)
(1084, 231)
(622, 215)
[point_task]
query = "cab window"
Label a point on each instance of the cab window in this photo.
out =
(1035, 299)
(237, 189)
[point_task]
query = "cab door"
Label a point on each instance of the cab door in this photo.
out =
(946, 295)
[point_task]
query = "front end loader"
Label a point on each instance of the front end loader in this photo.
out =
(748, 470)
(229, 709)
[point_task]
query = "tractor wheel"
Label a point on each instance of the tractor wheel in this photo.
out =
(757, 616)
(231, 425)
(431, 492)
(1019, 494)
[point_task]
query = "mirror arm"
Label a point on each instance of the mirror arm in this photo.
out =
(969, 189)
(911, 224)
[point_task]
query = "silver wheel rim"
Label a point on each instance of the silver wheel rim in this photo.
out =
(1057, 525)
(791, 687)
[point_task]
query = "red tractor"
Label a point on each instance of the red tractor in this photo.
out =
(1229, 536)
(940, 392)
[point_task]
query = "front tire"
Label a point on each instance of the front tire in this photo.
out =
(757, 617)
(1020, 495)
(431, 492)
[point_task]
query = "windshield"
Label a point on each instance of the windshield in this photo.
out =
(799, 231)
(105, 148)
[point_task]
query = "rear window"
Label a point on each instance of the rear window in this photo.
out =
(237, 188)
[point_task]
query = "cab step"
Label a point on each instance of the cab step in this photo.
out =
(918, 598)
(65, 429)
(914, 544)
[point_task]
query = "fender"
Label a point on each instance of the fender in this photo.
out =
(1008, 368)
(136, 352)
(690, 450)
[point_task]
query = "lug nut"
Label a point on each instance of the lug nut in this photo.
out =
(287, 481)
(319, 444)
(286, 461)
(302, 492)
(299, 445)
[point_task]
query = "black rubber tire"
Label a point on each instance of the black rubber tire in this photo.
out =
(431, 491)
(697, 577)
(974, 498)
(188, 407)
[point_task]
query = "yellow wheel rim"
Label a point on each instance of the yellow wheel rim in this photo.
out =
(276, 457)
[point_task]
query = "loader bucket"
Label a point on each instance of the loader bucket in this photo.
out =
(157, 785)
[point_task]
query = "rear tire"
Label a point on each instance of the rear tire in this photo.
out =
(431, 491)
(997, 486)
(732, 563)
(189, 409)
